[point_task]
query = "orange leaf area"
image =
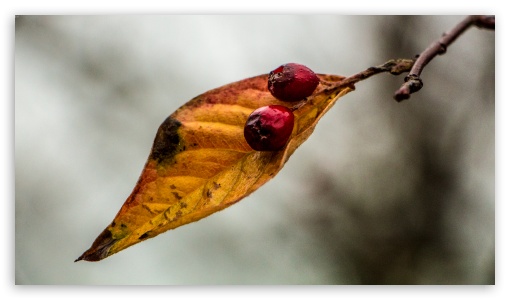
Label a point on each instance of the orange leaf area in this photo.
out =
(200, 162)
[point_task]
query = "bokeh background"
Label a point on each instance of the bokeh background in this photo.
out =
(381, 193)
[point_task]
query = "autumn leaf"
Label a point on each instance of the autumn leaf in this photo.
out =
(200, 162)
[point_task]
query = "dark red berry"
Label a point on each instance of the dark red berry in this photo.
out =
(292, 82)
(268, 128)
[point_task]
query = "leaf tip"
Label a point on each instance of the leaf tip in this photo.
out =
(100, 248)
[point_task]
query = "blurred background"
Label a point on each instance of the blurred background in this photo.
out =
(381, 193)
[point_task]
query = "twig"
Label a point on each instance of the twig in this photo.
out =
(393, 66)
(413, 82)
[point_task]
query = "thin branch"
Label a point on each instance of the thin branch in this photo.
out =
(413, 82)
(393, 66)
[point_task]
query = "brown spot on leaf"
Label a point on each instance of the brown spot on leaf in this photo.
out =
(176, 195)
(167, 142)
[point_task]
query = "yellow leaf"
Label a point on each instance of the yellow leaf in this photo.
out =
(200, 162)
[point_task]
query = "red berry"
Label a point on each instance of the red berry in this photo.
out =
(292, 82)
(268, 128)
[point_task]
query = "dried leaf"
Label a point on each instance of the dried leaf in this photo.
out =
(200, 162)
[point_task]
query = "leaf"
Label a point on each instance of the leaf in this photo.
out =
(200, 162)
